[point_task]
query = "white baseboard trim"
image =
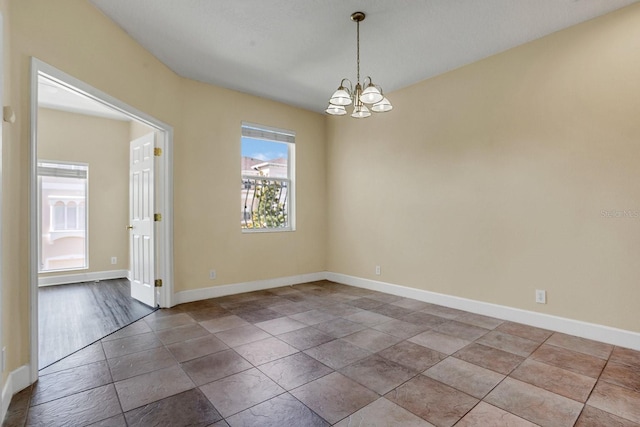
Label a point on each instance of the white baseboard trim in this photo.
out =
(16, 381)
(606, 334)
(238, 288)
(81, 277)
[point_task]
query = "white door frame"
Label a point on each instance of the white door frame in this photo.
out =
(164, 190)
(3, 355)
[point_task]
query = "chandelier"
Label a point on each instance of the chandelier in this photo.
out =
(364, 100)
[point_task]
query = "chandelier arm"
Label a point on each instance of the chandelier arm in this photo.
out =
(350, 85)
(371, 83)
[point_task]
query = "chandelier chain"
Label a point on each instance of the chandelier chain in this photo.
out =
(358, 48)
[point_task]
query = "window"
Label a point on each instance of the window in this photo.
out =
(267, 190)
(63, 222)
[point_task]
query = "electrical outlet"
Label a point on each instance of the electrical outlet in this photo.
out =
(212, 274)
(377, 270)
(114, 260)
(541, 296)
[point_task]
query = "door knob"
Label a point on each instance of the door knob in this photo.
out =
(129, 227)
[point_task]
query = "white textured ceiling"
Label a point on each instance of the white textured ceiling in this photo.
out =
(297, 51)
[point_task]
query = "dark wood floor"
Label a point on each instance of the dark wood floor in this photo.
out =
(74, 316)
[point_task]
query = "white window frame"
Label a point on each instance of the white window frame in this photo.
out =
(55, 233)
(272, 134)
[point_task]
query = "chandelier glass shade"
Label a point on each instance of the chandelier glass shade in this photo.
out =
(364, 100)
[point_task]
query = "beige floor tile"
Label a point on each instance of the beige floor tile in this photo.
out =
(443, 343)
(280, 411)
(77, 409)
(479, 320)
(413, 356)
(622, 375)
(433, 401)
(378, 374)
(189, 408)
(491, 358)
(182, 333)
(313, 317)
(146, 388)
(194, 348)
(242, 335)
(485, 415)
(383, 413)
(400, 329)
(334, 396)
(131, 344)
(280, 325)
(442, 311)
(337, 354)
(411, 304)
(616, 400)
(535, 404)
(142, 362)
(166, 322)
(305, 338)
(580, 363)
(461, 330)
(510, 343)
(465, 376)
(581, 345)
(295, 370)
(240, 391)
(372, 340)
(266, 350)
(626, 356)
(554, 379)
(223, 323)
(593, 417)
(339, 327)
(215, 366)
(368, 318)
(525, 331)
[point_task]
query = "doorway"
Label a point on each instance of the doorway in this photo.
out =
(67, 217)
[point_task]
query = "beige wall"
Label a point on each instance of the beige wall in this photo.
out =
(137, 130)
(489, 182)
(76, 38)
(12, 295)
(207, 192)
(104, 145)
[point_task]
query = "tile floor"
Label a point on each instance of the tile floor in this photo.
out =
(322, 354)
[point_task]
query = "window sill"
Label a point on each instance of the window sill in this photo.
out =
(267, 230)
(64, 270)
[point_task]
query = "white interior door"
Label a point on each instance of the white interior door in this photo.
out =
(141, 210)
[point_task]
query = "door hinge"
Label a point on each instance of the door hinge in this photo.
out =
(157, 217)
(157, 151)
(158, 283)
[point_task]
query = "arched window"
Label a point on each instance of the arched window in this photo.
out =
(63, 215)
(59, 213)
(72, 216)
(82, 216)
